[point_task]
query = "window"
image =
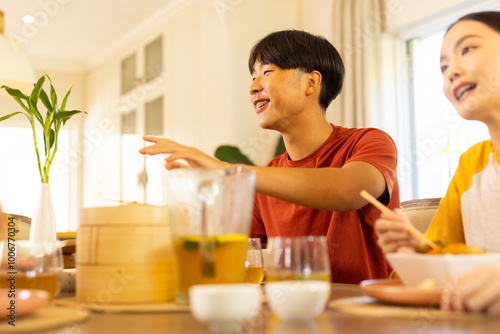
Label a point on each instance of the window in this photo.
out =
(131, 161)
(153, 175)
(128, 74)
(438, 135)
(141, 176)
(153, 67)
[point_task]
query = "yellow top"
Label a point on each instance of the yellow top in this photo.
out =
(470, 210)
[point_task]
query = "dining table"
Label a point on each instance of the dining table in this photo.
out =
(331, 320)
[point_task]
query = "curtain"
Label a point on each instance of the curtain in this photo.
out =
(358, 34)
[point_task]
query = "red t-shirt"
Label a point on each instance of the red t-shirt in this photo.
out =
(352, 243)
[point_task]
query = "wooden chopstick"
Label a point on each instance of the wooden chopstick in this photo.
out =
(416, 233)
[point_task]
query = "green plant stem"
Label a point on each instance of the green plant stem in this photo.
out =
(53, 153)
(36, 147)
(46, 167)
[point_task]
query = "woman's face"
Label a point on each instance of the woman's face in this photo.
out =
(470, 63)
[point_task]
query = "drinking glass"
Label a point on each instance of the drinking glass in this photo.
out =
(254, 263)
(298, 258)
(209, 213)
(31, 265)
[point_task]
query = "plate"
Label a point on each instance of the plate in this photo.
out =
(393, 291)
(25, 302)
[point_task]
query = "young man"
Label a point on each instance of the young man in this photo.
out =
(313, 188)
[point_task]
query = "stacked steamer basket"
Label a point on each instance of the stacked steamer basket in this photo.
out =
(124, 255)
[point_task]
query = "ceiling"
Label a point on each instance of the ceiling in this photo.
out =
(75, 31)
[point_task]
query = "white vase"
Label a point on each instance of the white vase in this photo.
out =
(43, 223)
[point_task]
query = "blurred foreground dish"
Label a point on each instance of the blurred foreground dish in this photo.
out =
(451, 248)
(413, 268)
(455, 248)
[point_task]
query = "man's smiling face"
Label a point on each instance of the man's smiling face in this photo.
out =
(276, 94)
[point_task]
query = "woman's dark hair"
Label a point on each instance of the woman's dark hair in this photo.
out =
(294, 49)
(491, 19)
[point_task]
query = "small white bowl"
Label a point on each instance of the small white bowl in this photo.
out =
(297, 301)
(225, 307)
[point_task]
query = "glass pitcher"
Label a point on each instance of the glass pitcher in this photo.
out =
(209, 213)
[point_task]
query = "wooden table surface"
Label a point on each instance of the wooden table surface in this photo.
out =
(330, 321)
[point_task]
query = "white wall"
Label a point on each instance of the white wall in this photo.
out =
(404, 15)
(205, 86)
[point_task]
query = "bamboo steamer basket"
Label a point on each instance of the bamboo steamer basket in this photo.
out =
(124, 255)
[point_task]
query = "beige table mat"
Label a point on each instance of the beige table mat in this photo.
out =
(367, 306)
(45, 318)
(160, 307)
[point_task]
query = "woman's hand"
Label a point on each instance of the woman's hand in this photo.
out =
(392, 232)
(176, 151)
(475, 291)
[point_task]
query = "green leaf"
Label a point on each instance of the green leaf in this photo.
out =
(15, 93)
(63, 105)
(35, 93)
(47, 126)
(280, 148)
(34, 110)
(232, 154)
(45, 100)
(9, 115)
(21, 103)
(53, 95)
(67, 114)
(52, 138)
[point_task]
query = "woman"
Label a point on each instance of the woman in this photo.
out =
(470, 63)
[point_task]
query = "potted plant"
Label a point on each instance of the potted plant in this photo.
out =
(43, 223)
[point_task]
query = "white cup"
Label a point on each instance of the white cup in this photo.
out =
(224, 307)
(297, 301)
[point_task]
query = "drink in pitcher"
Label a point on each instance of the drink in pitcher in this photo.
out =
(209, 260)
(209, 212)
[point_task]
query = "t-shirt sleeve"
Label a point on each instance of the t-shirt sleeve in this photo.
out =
(447, 225)
(258, 229)
(378, 149)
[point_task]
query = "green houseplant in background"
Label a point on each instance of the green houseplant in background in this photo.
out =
(43, 223)
(232, 154)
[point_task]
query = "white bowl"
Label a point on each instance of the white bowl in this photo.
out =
(297, 301)
(414, 269)
(225, 307)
